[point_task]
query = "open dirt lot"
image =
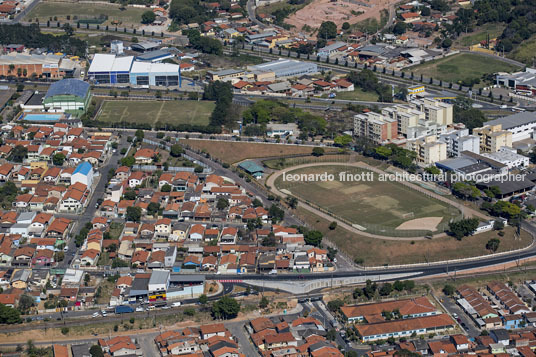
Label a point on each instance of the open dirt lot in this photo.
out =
(231, 151)
(427, 223)
(339, 12)
(375, 252)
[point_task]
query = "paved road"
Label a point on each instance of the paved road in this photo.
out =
(239, 332)
(89, 213)
(251, 14)
(453, 308)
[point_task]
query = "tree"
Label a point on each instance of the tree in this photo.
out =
(139, 135)
(25, 303)
(425, 11)
(313, 238)
(335, 305)
(129, 195)
(153, 208)
(133, 214)
(398, 285)
(345, 26)
(223, 203)
(18, 154)
(9, 315)
(276, 213)
(386, 289)
(400, 28)
(128, 161)
(166, 188)
(465, 190)
(292, 202)
(176, 150)
(370, 289)
(263, 304)
(203, 299)
(449, 289)
(327, 30)
(498, 225)
(333, 225)
(225, 308)
(343, 140)
(269, 240)
(96, 351)
(148, 17)
(68, 29)
(463, 228)
(493, 244)
(446, 43)
(318, 151)
(58, 159)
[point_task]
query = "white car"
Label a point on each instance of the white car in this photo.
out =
(176, 304)
(95, 315)
(139, 309)
(165, 307)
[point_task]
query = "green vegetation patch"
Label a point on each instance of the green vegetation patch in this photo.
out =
(461, 67)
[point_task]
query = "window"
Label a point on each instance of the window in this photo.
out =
(142, 80)
(123, 78)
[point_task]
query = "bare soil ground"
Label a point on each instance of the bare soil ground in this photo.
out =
(425, 223)
(339, 12)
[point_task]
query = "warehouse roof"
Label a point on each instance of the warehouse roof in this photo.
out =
(68, 86)
(145, 46)
(110, 63)
(153, 55)
(148, 67)
(514, 120)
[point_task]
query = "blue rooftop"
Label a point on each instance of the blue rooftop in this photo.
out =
(83, 168)
(251, 167)
(68, 86)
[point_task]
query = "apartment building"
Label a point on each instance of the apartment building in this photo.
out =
(376, 127)
(493, 138)
(458, 141)
(428, 150)
(405, 115)
(435, 111)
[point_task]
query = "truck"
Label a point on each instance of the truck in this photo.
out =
(123, 309)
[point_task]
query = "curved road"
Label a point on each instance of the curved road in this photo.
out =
(465, 210)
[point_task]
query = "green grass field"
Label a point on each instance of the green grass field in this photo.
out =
(480, 34)
(358, 94)
(45, 10)
(462, 66)
(373, 204)
(169, 112)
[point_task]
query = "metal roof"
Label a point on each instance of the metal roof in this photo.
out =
(110, 63)
(514, 120)
(83, 168)
(68, 86)
(251, 167)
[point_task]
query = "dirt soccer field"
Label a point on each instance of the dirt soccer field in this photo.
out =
(339, 12)
(373, 204)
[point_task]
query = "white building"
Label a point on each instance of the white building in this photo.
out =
(521, 125)
(508, 157)
(460, 140)
(83, 173)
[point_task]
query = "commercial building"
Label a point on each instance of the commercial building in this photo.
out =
(285, 68)
(226, 75)
(378, 128)
(25, 65)
(520, 81)
(155, 74)
(408, 308)
(521, 125)
(493, 137)
(106, 68)
(67, 95)
(460, 140)
(428, 150)
(508, 157)
(109, 69)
